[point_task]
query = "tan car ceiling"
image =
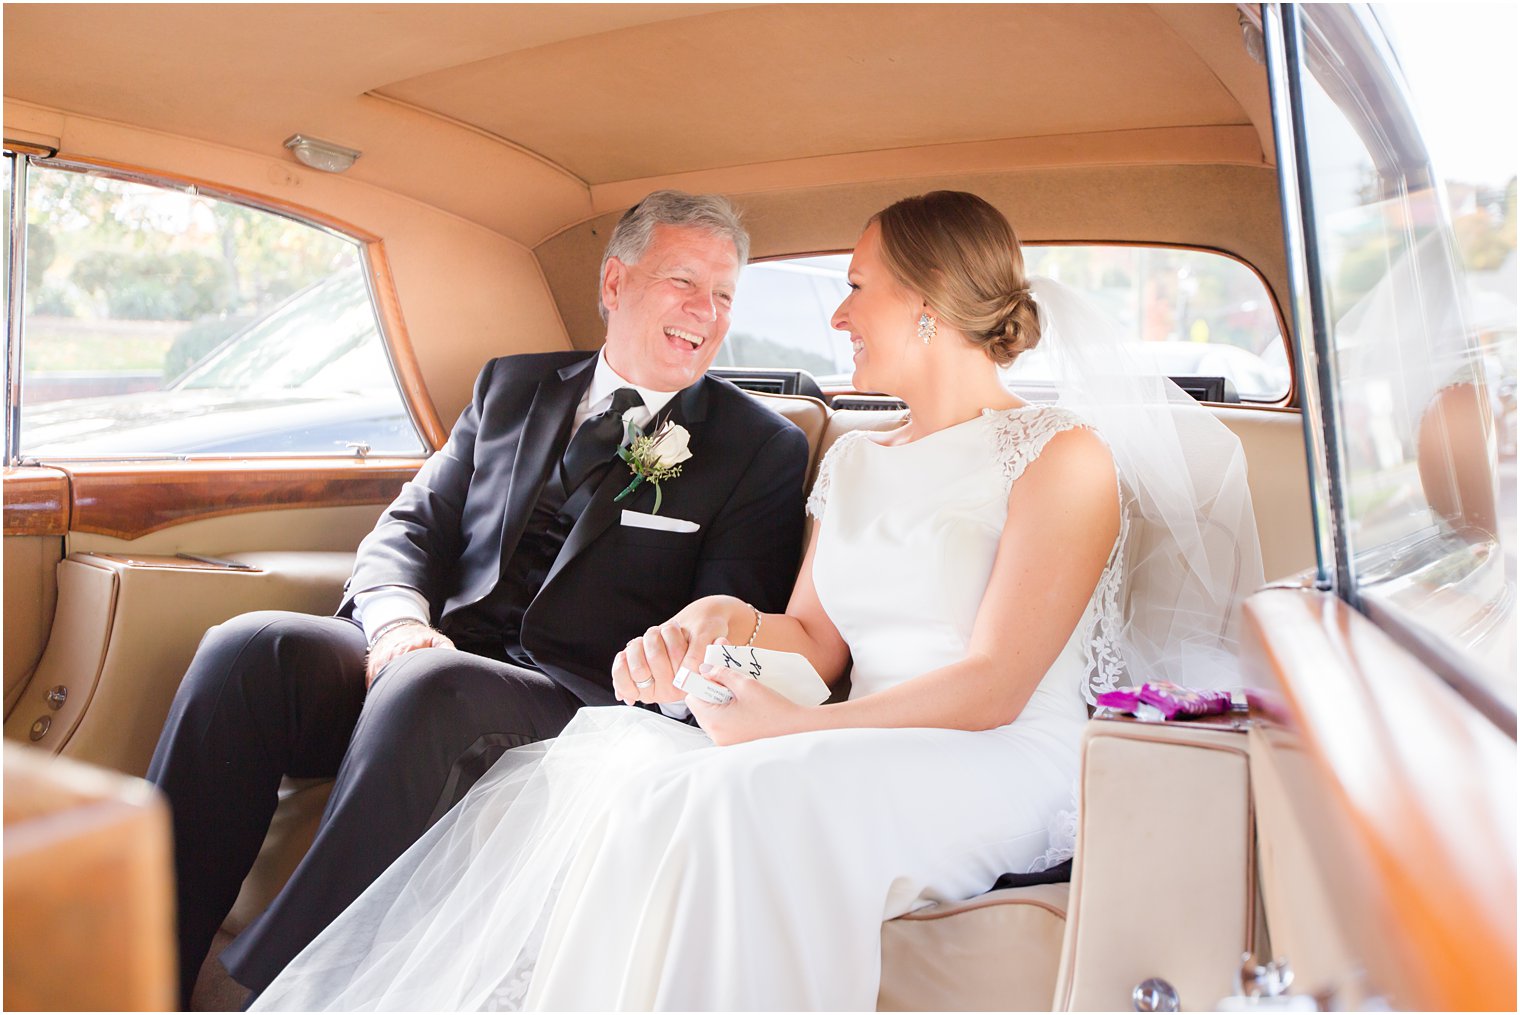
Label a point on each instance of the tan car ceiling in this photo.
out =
(771, 83)
(463, 105)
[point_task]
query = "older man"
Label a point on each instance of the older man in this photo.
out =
(491, 598)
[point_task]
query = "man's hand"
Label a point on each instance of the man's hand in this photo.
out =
(397, 642)
(646, 668)
(706, 622)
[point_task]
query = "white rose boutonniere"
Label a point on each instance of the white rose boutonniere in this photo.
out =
(654, 458)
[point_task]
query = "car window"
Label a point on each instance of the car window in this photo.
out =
(1196, 313)
(1416, 377)
(781, 317)
(163, 321)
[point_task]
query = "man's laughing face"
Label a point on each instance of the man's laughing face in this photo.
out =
(667, 313)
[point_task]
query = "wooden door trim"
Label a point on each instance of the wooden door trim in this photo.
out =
(131, 499)
(1426, 782)
(36, 501)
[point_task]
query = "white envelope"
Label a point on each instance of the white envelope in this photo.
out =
(640, 520)
(789, 674)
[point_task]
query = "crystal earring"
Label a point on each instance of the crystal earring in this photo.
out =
(926, 326)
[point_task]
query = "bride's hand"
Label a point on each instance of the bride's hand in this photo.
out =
(708, 620)
(756, 711)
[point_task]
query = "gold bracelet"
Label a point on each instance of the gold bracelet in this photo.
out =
(756, 632)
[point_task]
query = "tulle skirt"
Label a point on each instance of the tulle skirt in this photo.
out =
(631, 865)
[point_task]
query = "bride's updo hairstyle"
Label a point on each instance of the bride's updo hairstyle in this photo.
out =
(960, 254)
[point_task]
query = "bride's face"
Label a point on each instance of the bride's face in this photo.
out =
(880, 316)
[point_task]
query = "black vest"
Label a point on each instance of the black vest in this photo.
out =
(492, 627)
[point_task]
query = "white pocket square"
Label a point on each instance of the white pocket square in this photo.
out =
(640, 520)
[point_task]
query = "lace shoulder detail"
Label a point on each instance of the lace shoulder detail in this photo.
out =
(818, 500)
(1019, 435)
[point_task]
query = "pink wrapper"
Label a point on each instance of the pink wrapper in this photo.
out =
(1173, 701)
(1160, 699)
(1125, 699)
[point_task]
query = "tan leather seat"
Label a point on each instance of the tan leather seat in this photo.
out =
(88, 888)
(809, 414)
(997, 952)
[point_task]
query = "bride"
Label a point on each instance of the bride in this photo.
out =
(967, 571)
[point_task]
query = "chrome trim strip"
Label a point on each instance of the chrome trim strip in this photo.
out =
(1312, 351)
(15, 301)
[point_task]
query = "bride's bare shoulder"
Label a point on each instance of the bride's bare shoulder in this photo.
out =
(1073, 475)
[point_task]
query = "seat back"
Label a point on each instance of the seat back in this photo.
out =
(1272, 439)
(809, 414)
(1278, 476)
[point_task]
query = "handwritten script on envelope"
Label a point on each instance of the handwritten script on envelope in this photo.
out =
(787, 673)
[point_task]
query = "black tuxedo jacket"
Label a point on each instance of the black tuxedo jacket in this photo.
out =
(455, 525)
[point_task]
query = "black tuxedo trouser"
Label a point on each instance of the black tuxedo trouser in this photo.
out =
(272, 694)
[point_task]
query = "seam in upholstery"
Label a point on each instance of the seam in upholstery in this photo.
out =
(1048, 907)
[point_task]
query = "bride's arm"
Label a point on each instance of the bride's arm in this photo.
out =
(1063, 519)
(683, 639)
(804, 628)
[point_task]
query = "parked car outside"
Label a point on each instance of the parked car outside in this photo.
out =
(309, 377)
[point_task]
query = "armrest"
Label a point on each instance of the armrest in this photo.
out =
(1164, 883)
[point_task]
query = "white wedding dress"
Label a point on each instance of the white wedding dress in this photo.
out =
(630, 864)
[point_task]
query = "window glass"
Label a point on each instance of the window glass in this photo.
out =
(1417, 376)
(1194, 313)
(1197, 314)
(162, 321)
(781, 318)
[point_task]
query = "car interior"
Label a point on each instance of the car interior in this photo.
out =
(499, 145)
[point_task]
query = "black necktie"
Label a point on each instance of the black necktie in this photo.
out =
(597, 440)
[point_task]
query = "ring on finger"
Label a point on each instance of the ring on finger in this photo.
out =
(642, 684)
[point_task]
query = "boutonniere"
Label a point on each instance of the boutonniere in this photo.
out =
(654, 458)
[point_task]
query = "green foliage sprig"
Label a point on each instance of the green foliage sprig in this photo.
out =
(654, 458)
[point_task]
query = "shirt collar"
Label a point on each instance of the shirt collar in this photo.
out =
(605, 381)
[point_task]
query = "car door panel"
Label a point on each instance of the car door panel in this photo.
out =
(1398, 796)
(125, 631)
(129, 613)
(31, 590)
(130, 500)
(313, 528)
(35, 521)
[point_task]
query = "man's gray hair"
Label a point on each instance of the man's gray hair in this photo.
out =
(631, 236)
